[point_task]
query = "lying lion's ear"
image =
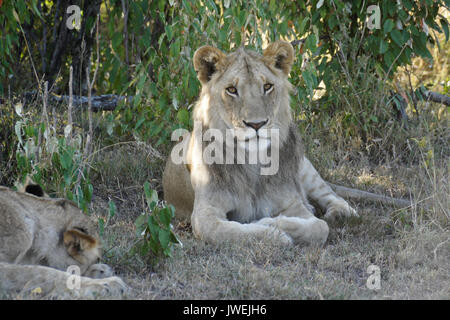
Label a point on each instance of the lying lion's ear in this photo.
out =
(32, 187)
(280, 55)
(76, 241)
(35, 189)
(207, 60)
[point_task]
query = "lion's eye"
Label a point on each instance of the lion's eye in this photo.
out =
(268, 87)
(232, 90)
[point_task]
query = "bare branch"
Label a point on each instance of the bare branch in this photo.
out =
(69, 111)
(437, 97)
(350, 193)
(43, 117)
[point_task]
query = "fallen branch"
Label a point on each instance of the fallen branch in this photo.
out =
(355, 194)
(437, 97)
(105, 102)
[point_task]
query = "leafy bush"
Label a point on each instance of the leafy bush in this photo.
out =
(154, 229)
(146, 50)
(51, 159)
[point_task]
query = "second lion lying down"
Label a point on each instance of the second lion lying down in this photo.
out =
(248, 94)
(40, 238)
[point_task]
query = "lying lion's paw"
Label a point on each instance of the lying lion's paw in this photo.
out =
(339, 208)
(99, 271)
(111, 287)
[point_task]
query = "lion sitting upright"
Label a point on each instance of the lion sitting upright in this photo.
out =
(40, 238)
(245, 96)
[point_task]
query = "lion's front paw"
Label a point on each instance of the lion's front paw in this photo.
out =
(111, 287)
(277, 234)
(339, 208)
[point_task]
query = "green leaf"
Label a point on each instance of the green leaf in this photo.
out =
(153, 243)
(35, 9)
(396, 35)
(383, 47)
(139, 122)
(153, 226)
(112, 208)
(183, 116)
(172, 211)
(175, 48)
(310, 42)
(165, 217)
(164, 238)
(407, 3)
(150, 195)
(420, 46)
(332, 21)
(444, 25)
(140, 224)
(116, 40)
(398, 102)
(388, 26)
(302, 28)
(174, 239)
(169, 32)
(88, 191)
(66, 160)
(83, 206)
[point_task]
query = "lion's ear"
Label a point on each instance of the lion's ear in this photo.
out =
(35, 189)
(280, 55)
(207, 60)
(76, 241)
(32, 187)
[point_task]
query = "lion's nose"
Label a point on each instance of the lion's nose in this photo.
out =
(255, 125)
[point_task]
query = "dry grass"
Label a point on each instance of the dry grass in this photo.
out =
(410, 246)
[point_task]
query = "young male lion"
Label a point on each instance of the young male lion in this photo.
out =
(247, 94)
(40, 238)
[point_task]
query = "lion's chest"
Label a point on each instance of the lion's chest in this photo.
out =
(261, 201)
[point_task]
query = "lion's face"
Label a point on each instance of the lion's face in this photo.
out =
(80, 237)
(245, 91)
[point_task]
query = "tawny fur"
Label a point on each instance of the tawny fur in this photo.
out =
(234, 201)
(40, 238)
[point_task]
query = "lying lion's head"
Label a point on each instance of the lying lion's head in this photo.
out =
(80, 242)
(244, 90)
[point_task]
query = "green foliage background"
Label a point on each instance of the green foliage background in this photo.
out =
(146, 47)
